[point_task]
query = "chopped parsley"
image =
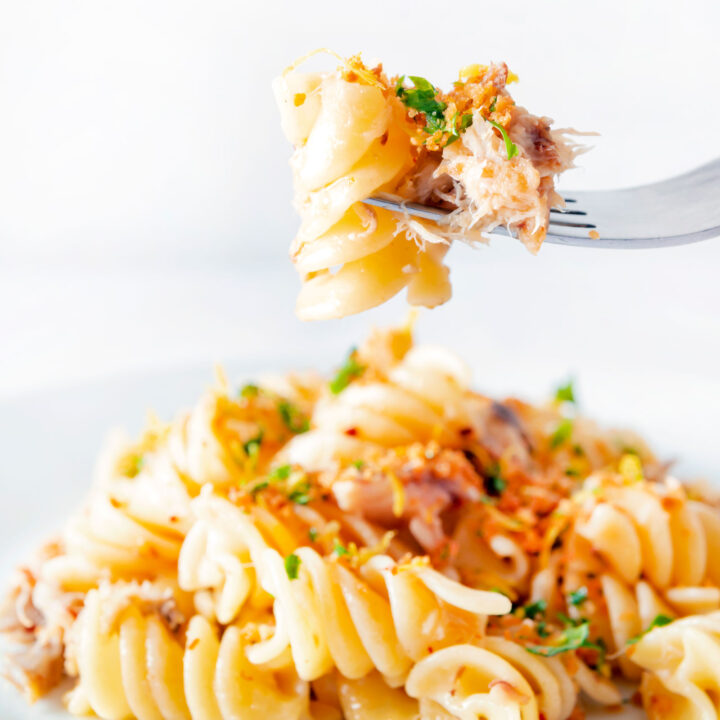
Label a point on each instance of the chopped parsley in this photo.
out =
(566, 393)
(658, 621)
(572, 472)
(131, 465)
(359, 464)
(423, 98)
(494, 482)
(510, 146)
(536, 608)
(281, 472)
(340, 549)
(578, 597)
(251, 447)
(300, 495)
(454, 128)
(347, 373)
(493, 104)
(249, 391)
(541, 629)
(294, 420)
(258, 487)
(313, 534)
(292, 565)
(562, 433)
(572, 638)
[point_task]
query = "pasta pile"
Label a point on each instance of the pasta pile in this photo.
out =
(388, 543)
(358, 134)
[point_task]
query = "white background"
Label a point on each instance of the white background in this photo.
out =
(145, 196)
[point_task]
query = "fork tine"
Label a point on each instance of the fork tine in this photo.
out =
(563, 211)
(680, 210)
(571, 224)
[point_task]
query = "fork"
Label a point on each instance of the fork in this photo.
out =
(681, 210)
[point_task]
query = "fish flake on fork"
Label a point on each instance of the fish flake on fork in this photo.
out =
(677, 211)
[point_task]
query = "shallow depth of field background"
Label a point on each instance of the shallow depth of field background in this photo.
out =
(145, 215)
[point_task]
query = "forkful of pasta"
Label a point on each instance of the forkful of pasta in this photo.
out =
(388, 172)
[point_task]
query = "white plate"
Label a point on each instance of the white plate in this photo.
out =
(50, 440)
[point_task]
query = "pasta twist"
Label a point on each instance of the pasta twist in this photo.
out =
(329, 616)
(241, 563)
(650, 531)
(135, 667)
(635, 551)
(352, 141)
(682, 661)
(221, 552)
(495, 680)
(141, 505)
(384, 618)
(422, 397)
(126, 518)
(358, 134)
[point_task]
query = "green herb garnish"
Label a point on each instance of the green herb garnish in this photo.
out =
(282, 472)
(510, 146)
(340, 549)
(294, 420)
(454, 129)
(249, 391)
(255, 489)
(131, 465)
(495, 483)
(493, 104)
(571, 638)
(578, 597)
(562, 433)
(313, 534)
(572, 472)
(347, 373)
(423, 98)
(566, 393)
(541, 629)
(536, 608)
(359, 464)
(658, 621)
(300, 495)
(292, 565)
(251, 447)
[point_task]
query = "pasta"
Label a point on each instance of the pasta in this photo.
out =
(385, 541)
(682, 660)
(357, 134)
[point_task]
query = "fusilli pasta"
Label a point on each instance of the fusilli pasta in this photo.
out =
(387, 540)
(357, 134)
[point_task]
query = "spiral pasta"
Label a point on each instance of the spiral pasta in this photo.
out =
(422, 397)
(357, 134)
(493, 681)
(681, 661)
(648, 531)
(383, 540)
(634, 551)
(135, 666)
(328, 616)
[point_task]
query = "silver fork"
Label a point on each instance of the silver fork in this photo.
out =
(683, 209)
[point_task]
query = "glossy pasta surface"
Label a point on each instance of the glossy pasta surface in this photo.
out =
(357, 133)
(382, 542)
